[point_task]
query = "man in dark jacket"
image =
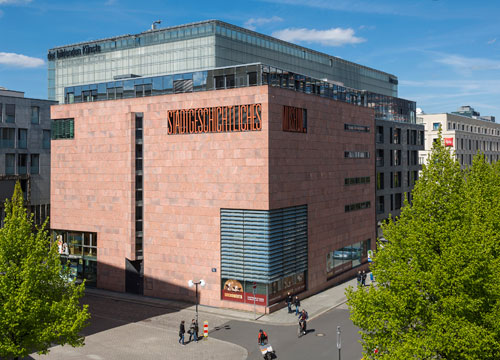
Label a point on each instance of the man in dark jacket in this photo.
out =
(363, 278)
(289, 300)
(296, 302)
(193, 331)
(182, 331)
(360, 278)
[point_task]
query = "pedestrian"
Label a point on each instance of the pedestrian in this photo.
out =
(297, 305)
(182, 331)
(359, 278)
(193, 331)
(363, 278)
(289, 299)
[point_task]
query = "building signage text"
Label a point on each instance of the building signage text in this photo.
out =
(84, 50)
(215, 119)
(294, 119)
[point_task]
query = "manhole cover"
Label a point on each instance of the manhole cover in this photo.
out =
(320, 334)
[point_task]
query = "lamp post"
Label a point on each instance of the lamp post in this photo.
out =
(196, 283)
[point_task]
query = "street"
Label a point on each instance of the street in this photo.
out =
(320, 342)
(130, 330)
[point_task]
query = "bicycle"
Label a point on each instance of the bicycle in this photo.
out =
(302, 329)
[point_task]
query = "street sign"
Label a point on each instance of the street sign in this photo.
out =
(370, 254)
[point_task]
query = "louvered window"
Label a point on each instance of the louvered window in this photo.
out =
(263, 245)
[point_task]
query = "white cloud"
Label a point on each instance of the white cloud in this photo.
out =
(330, 37)
(468, 64)
(19, 60)
(492, 41)
(253, 23)
(14, 2)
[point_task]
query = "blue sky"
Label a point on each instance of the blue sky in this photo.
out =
(446, 53)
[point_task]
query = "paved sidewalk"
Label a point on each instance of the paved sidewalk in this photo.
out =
(140, 341)
(315, 305)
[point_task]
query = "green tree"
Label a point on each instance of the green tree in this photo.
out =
(437, 294)
(38, 306)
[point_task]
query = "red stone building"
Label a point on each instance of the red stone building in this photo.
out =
(147, 197)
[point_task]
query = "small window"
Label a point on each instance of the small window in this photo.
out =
(10, 113)
(35, 115)
(22, 163)
(46, 139)
(435, 126)
(63, 129)
(22, 138)
(35, 164)
(10, 164)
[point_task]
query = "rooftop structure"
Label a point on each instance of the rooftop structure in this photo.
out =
(197, 46)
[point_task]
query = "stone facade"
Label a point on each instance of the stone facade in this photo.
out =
(189, 178)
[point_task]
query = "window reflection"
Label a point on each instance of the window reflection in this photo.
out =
(386, 107)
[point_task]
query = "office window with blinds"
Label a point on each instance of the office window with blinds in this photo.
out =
(263, 245)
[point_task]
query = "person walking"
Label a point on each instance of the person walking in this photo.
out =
(289, 300)
(363, 278)
(182, 331)
(359, 278)
(193, 331)
(297, 305)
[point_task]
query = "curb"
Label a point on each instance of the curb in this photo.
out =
(177, 307)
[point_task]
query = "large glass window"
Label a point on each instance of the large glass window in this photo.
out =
(347, 257)
(268, 247)
(78, 251)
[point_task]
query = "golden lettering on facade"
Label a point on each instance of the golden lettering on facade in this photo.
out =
(215, 119)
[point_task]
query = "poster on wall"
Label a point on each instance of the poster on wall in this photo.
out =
(233, 290)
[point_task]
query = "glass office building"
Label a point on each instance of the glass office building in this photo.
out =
(199, 46)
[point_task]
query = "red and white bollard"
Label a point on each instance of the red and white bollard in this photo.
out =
(205, 330)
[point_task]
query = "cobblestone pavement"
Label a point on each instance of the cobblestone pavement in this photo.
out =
(129, 331)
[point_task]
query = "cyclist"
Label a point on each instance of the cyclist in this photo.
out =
(303, 320)
(262, 338)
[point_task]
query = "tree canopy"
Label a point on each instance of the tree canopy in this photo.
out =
(38, 306)
(437, 292)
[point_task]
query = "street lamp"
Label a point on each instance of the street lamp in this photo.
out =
(196, 283)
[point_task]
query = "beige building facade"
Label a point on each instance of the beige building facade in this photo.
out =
(465, 135)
